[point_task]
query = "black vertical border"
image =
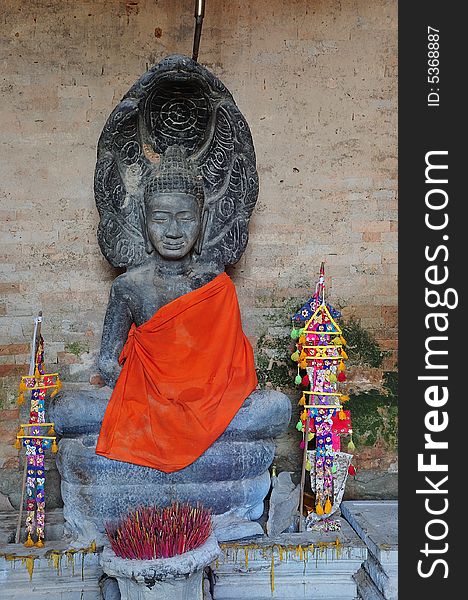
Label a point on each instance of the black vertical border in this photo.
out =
(423, 129)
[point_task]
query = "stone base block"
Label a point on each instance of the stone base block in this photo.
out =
(291, 566)
(376, 523)
(367, 590)
(87, 508)
(50, 572)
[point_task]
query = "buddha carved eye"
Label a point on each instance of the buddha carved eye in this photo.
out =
(186, 216)
(160, 217)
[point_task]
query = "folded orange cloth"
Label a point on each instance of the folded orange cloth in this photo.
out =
(185, 374)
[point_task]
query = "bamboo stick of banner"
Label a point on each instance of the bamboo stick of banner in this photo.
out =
(303, 473)
(32, 365)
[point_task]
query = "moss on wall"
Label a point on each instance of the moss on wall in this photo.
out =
(375, 417)
(77, 348)
(363, 346)
(275, 346)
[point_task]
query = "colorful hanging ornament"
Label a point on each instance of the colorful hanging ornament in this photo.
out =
(320, 352)
(36, 437)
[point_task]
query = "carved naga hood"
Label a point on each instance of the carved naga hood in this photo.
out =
(177, 102)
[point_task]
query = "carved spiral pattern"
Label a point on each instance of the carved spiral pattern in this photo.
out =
(177, 114)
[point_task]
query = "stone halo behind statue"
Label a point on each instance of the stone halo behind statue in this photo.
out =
(176, 103)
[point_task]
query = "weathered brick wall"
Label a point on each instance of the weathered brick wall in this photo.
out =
(315, 80)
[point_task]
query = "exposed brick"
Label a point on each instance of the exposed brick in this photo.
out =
(14, 349)
(9, 415)
(67, 358)
(8, 370)
(9, 288)
(370, 226)
(371, 236)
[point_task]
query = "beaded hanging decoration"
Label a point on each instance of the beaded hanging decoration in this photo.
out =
(320, 357)
(36, 437)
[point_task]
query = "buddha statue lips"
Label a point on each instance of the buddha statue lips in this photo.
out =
(179, 416)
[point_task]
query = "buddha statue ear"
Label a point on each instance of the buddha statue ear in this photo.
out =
(199, 243)
(148, 245)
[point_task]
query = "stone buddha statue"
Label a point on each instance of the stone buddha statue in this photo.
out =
(172, 227)
(180, 417)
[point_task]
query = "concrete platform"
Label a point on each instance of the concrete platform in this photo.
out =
(376, 523)
(358, 562)
(54, 571)
(8, 522)
(291, 566)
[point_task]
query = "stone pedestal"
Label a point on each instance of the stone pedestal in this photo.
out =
(291, 566)
(231, 477)
(176, 578)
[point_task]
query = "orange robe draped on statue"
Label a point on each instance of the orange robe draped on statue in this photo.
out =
(185, 374)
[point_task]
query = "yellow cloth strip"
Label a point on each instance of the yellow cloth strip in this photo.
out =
(322, 405)
(40, 387)
(37, 424)
(323, 358)
(323, 393)
(37, 437)
(40, 376)
(323, 346)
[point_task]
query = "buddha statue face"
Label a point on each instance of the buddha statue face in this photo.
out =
(173, 223)
(173, 206)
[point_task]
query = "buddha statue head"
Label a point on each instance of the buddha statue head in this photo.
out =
(173, 207)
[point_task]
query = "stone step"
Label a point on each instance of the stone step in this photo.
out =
(366, 587)
(54, 525)
(376, 523)
(54, 571)
(291, 566)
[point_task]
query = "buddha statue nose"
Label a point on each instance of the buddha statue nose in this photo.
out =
(173, 229)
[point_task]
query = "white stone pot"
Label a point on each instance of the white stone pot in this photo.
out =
(176, 578)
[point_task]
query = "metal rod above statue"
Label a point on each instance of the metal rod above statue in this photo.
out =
(199, 15)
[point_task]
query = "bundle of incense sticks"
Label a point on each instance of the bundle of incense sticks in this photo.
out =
(151, 532)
